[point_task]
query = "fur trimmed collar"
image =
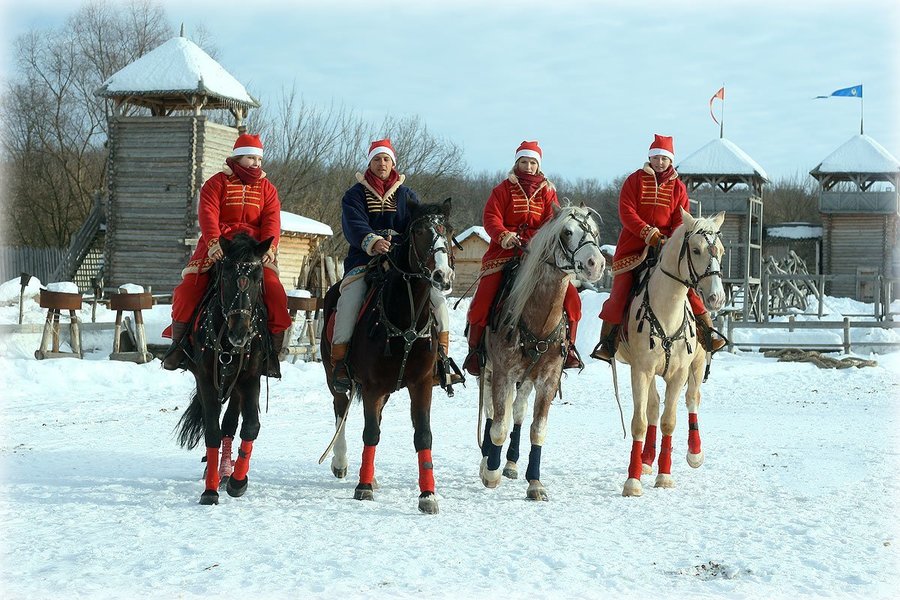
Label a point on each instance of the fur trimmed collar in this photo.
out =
(649, 170)
(362, 179)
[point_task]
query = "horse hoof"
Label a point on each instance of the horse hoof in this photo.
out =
(209, 497)
(646, 469)
(511, 471)
(695, 460)
(664, 480)
(490, 479)
(363, 491)
(428, 503)
(375, 484)
(632, 487)
(237, 487)
(339, 473)
(536, 491)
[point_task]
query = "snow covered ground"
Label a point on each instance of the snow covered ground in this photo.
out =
(798, 496)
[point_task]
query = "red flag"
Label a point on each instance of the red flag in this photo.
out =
(721, 96)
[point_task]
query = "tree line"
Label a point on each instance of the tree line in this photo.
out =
(55, 157)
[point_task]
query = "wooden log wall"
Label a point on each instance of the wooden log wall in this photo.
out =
(293, 254)
(858, 241)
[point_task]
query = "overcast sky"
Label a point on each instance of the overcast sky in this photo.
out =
(592, 81)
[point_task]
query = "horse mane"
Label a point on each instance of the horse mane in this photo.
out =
(541, 251)
(242, 247)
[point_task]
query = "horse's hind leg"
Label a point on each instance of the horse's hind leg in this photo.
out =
(212, 435)
(520, 407)
(649, 453)
(340, 462)
(248, 394)
(545, 393)
(501, 400)
(229, 429)
(372, 407)
(420, 411)
(692, 399)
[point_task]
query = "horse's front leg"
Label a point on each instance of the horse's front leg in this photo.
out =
(546, 389)
(373, 404)
(229, 429)
(248, 393)
(212, 435)
(673, 388)
(649, 453)
(340, 462)
(692, 399)
(640, 386)
(520, 407)
(420, 411)
(501, 399)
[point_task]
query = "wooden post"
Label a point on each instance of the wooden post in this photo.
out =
(791, 326)
(846, 335)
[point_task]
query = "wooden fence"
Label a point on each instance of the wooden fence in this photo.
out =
(40, 262)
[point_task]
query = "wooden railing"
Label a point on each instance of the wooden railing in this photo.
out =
(846, 326)
(80, 244)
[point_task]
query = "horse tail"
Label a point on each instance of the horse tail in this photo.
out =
(191, 424)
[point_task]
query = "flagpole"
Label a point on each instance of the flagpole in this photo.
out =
(861, 113)
(722, 121)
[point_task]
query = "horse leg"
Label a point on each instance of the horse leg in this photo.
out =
(664, 475)
(649, 453)
(339, 462)
(372, 407)
(640, 384)
(229, 429)
(501, 397)
(520, 406)
(248, 395)
(692, 399)
(420, 411)
(212, 435)
(542, 400)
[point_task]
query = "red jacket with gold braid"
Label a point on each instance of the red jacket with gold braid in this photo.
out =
(228, 207)
(508, 211)
(644, 205)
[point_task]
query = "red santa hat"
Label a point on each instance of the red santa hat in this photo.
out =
(662, 145)
(381, 147)
(247, 144)
(530, 150)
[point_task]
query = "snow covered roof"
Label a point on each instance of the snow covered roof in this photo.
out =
(178, 66)
(859, 154)
(474, 230)
(720, 157)
(296, 224)
(795, 231)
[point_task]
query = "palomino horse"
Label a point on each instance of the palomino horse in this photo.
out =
(394, 345)
(230, 347)
(662, 341)
(527, 350)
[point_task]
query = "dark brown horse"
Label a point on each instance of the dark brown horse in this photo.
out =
(229, 353)
(394, 345)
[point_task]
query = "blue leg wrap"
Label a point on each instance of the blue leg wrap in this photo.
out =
(534, 464)
(512, 453)
(486, 438)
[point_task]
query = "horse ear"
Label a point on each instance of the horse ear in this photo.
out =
(686, 218)
(225, 243)
(582, 204)
(556, 209)
(718, 219)
(448, 203)
(264, 246)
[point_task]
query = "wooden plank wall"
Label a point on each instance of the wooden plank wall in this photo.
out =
(468, 264)
(156, 167)
(857, 240)
(292, 251)
(734, 238)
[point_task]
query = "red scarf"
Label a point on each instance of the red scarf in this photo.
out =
(247, 176)
(665, 175)
(381, 185)
(529, 182)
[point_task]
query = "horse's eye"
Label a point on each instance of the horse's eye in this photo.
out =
(696, 251)
(568, 233)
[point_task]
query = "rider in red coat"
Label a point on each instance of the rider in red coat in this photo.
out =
(516, 209)
(237, 199)
(650, 206)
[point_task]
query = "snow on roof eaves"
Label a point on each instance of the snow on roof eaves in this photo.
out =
(177, 66)
(720, 157)
(859, 154)
(474, 230)
(298, 224)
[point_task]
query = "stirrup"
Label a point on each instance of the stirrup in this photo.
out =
(340, 384)
(474, 362)
(572, 352)
(603, 345)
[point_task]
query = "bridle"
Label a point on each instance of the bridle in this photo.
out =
(241, 303)
(571, 265)
(694, 278)
(437, 224)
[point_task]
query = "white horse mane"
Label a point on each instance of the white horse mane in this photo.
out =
(541, 251)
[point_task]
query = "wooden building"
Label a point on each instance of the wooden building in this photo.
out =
(804, 239)
(858, 201)
(300, 237)
(474, 242)
(158, 162)
(722, 177)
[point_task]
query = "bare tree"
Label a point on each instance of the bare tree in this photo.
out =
(791, 199)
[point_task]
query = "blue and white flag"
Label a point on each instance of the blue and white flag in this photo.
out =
(851, 92)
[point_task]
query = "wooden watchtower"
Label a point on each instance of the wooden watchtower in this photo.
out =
(722, 177)
(858, 201)
(158, 161)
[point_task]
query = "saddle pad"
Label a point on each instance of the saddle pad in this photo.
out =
(329, 326)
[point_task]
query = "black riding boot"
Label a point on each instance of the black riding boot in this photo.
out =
(273, 366)
(609, 342)
(175, 355)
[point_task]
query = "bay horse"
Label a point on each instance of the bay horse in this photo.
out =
(229, 351)
(661, 341)
(394, 345)
(526, 350)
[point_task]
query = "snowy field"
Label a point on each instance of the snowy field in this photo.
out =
(798, 496)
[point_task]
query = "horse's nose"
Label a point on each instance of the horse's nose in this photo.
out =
(438, 277)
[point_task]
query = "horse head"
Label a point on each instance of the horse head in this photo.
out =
(578, 250)
(428, 235)
(240, 275)
(700, 258)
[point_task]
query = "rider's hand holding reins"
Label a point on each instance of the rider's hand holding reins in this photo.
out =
(509, 240)
(655, 238)
(382, 246)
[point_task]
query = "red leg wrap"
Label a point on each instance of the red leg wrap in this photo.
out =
(665, 455)
(242, 464)
(649, 446)
(212, 468)
(367, 468)
(426, 471)
(226, 466)
(634, 468)
(693, 434)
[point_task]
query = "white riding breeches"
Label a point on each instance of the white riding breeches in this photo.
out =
(353, 294)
